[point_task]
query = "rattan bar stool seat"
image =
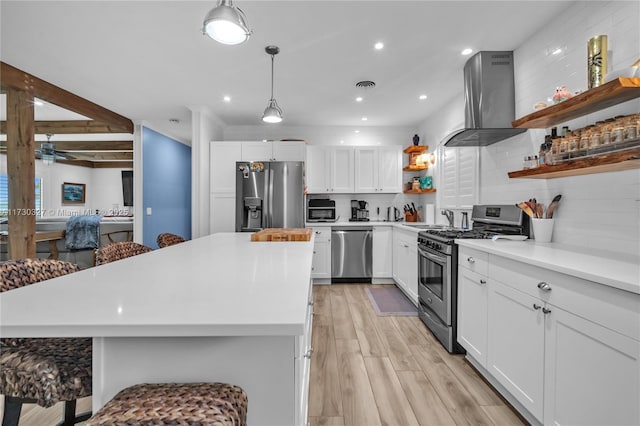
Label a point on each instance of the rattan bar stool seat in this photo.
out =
(203, 404)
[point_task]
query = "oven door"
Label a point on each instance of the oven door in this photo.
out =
(434, 282)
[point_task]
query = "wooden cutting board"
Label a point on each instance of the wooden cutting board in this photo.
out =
(282, 234)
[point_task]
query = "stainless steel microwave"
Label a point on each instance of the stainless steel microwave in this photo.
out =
(321, 210)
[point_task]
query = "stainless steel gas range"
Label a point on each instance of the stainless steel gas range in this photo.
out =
(438, 266)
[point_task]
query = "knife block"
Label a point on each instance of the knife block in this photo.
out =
(408, 217)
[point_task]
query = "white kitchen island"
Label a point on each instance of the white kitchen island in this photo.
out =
(217, 308)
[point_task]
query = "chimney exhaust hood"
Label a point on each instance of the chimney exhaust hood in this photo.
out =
(489, 97)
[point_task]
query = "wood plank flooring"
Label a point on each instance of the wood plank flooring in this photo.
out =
(368, 370)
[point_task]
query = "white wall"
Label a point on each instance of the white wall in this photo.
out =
(103, 186)
(598, 211)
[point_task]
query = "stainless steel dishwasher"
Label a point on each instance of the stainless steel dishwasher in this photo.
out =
(351, 253)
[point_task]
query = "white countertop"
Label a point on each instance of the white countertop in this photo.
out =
(218, 285)
(602, 267)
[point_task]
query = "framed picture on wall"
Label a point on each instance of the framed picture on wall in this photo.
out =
(73, 193)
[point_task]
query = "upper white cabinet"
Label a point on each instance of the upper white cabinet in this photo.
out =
(459, 177)
(273, 151)
(378, 169)
(222, 165)
(329, 169)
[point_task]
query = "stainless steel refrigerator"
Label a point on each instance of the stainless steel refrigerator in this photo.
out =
(269, 194)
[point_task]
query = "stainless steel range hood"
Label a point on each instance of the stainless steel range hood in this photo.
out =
(489, 93)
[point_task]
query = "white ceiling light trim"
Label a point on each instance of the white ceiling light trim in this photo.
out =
(226, 24)
(466, 51)
(272, 113)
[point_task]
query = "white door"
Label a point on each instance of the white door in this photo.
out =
(472, 314)
(341, 179)
(390, 169)
(382, 248)
(515, 354)
(222, 212)
(366, 170)
(317, 169)
(288, 151)
(587, 378)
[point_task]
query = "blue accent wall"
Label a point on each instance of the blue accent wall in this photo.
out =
(166, 186)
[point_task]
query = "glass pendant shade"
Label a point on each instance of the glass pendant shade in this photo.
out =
(226, 24)
(272, 113)
(47, 153)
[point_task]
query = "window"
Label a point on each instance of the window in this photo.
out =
(4, 196)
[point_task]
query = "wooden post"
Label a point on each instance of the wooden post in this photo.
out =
(21, 169)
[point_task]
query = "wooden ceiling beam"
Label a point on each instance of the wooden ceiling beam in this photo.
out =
(113, 164)
(11, 77)
(102, 156)
(86, 145)
(70, 127)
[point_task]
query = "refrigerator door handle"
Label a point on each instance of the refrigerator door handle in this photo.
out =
(270, 198)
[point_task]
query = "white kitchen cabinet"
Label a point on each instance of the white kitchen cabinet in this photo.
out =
(273, 151)
(472, 306)
(222, 212)
(515, 354)
(329, 169)
(587, 373)
(222, 161)
(458, 188)
(378, 169)
(405, 262)
(562, 349)
(382, 252)
(321, 264)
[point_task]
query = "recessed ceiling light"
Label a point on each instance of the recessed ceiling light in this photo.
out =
(342, 142)
(227, 98)
(466, 51)
(359, 99)
(379, 45)
(356, 131)
(364, 118)
(557, 51)
(422, 97)
(38, 103)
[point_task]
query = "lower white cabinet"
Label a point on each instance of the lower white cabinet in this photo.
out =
(321, 264)
(222, 212)
(405, 262)
(565, 350)
(382, 252)
(592, 373)
(303, 354)
(472, 313)
(516, 344)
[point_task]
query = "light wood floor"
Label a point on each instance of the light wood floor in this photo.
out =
(368, 370)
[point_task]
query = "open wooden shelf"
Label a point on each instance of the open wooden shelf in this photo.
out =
(416, 148)
(419, 191)
(612, 162)
(415, 168)
(609, 94)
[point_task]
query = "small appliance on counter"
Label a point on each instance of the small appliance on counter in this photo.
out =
(321, 210)
(359, 211)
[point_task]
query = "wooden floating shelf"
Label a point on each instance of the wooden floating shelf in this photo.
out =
(419, 191)
(415, 148)
(613, 162)
(415, 168)
(612, 93)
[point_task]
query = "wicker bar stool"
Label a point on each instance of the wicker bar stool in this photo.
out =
(167, 239)
(204, 404)
(117, 251)
(42, 370)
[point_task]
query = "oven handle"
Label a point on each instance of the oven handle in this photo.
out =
(431, 256)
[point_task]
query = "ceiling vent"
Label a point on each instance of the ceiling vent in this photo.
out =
(365, 84)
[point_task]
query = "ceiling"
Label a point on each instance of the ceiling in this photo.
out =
(148, 60)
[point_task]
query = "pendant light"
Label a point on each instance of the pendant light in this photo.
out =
(272, 113)
(226, 24)
(48, 151)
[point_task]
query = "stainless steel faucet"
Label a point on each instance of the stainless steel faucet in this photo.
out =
(449, 215)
